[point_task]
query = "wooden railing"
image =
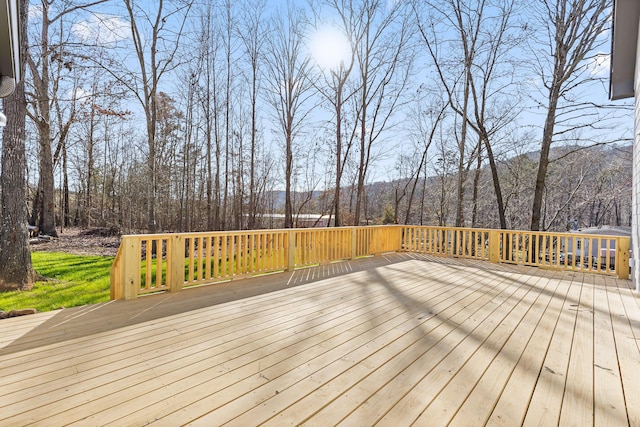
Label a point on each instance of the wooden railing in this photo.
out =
(169, 262)
(566, 251)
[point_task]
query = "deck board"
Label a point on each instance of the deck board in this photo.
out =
(479, 402)
(385, 364)
(625, 332)
(577, 404)
(607, 385)
(399, 339)
(469, 338)
(512, 403)
(546, 401)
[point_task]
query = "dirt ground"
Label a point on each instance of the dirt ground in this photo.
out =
(92, 241)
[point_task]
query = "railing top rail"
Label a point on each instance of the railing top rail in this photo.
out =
(258, 231)
(542, 233)
(567, 234)
(317, 229)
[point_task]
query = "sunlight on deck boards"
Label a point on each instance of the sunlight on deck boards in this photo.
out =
(399, 339)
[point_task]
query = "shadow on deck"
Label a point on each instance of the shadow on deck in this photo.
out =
(77, 322)
(396, 339)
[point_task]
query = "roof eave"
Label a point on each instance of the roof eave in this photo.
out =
(624, 39)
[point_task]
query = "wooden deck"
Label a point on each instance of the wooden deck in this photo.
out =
(393, 340)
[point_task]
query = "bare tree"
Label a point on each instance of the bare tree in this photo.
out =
(229, 47)
(427, 120)
(210, 104)
(156, 44)
(333, 87)
(490, 80)
(518, 178)
(42, 61)
(445, 167)
(484, 40)
(253, 36)
(189, 158)
(570, 32)
(465, 20)
(381, 37)
(289, 88)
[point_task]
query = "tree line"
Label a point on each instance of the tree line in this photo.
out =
(182, 115)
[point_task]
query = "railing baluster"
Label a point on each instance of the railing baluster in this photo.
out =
(191, 266)
(159, 282)
(147, 270)
(207, 260)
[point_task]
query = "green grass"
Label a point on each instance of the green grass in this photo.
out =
(72, 280)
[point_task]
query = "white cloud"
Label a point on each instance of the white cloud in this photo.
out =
(598, 64)
(102, 29)
(35, 12)
(81, 94)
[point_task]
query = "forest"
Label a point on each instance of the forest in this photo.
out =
(180, 115)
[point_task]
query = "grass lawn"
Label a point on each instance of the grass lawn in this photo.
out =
(72, 280)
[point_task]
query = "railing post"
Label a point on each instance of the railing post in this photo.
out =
(353, 242)
(130, 268)
(494, 246)
(116, 279)
(401, 237)
(290, 250)
(175, 259)
(622, 257)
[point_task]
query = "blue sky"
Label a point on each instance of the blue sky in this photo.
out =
(107, 24)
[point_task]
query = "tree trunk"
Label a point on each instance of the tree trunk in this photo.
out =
(496, 183)
(543, 163)
(363, 148)
(152, 226)
(254, 132)
(336, 200)
(227, 115)
(476, 182)
(46, 214)
(288, 205)
(462, 176)
(66, 219)
(15, 257)
(90, 163)
(209, 180)
(217, 182)
(46, 207)
(35, 207)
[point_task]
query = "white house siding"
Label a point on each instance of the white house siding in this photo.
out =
(635, 199)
